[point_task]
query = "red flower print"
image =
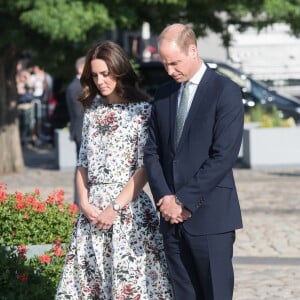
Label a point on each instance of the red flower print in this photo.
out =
(111, 117)
(114, 127)
(103, 122)
(128, 290)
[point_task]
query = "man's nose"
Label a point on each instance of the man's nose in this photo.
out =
(169, 70)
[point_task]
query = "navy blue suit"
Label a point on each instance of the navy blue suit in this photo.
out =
(76, 111)
(199, 173)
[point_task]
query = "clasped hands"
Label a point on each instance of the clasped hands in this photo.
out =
(171, 211)
(103, 219)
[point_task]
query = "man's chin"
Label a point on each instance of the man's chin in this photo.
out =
(178, 79)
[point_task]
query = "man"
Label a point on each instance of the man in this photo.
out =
(76, 112)
(189, 159)
(75, 107)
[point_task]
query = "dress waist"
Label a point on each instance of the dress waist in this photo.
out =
(106, 183)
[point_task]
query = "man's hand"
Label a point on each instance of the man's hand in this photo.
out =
(171, 211)
(186, 214)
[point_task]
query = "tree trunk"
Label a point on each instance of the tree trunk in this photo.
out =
(11, 158)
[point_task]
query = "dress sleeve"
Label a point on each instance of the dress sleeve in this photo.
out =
(142, 133)
(82, 158)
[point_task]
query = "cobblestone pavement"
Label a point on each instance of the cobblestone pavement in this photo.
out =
(267, 249)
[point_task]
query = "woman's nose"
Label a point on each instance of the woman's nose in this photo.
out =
(99, 78)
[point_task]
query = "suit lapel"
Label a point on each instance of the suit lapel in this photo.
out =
(197, 101)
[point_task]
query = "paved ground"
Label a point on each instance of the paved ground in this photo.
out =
(267, 250)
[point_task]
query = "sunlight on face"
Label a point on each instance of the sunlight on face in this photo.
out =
(179, 64)
(105, 83)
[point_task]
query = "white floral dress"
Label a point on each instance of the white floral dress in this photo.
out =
(127, 261)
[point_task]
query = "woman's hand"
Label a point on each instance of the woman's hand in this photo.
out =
(106, 218)
(91, 212)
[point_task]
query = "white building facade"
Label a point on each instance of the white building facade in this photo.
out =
(272, 55)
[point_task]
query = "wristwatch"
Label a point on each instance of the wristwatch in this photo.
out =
(116, 206)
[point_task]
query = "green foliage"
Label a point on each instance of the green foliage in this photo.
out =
(268, 117)
(256, 113)
(25, 219)
(284, 11)
(69, 20)
(56, 32)
(32, 278)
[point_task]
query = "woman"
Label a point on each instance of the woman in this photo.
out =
(116, 251)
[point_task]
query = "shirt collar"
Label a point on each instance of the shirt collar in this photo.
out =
(199, 74)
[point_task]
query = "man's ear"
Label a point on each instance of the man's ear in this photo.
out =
(193, 51)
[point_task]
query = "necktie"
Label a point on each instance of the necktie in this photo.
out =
(182, 111)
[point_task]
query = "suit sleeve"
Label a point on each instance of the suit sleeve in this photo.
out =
(157, 181)
(224, 149)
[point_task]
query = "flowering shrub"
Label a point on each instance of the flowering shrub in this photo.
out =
(268, 117)
(25, 220)
(34, 278)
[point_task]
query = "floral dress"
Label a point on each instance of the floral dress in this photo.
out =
(127, 261)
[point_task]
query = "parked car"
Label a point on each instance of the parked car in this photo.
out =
(255, 92)
(153, 74)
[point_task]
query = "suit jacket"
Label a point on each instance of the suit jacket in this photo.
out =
(75, 109)
(199, 170)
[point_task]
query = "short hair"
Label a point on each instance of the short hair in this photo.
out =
(184, 37)
(80, 62)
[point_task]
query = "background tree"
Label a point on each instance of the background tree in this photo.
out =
(56, 32)
(51, 31)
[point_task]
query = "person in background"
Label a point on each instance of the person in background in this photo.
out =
(195, 134)
(41, 84)
(25, 106)
(116, 250)
(75, 107)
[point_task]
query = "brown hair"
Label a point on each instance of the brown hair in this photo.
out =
(119, 67)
